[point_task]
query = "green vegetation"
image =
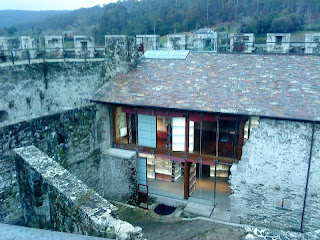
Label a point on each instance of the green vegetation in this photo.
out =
(163, 40)
(163, 17)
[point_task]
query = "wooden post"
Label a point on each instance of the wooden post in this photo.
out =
(114, 123)
(128, 129)
(186, 179)
(186, 164)
(187, 133)
(240, 141)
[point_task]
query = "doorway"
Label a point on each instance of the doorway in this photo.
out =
(211, 190)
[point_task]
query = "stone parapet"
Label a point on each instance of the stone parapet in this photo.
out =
(52, 198)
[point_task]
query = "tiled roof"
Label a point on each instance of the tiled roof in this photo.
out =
(282, 86)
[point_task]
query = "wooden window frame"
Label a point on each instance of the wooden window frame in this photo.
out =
(195, 157)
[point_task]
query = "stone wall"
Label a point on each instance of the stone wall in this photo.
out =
(54, 199)
(70, 138)
(118, 175)
(34, 90)
(312, 211)
(269, 182)
(121, 54)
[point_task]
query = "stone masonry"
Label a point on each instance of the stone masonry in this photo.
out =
(54, 199)
(121, 54)
(39, 89)
(68, 137)
(312, 211)
(118, 175)
(269, 182)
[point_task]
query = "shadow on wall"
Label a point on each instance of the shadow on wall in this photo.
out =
(4, 116)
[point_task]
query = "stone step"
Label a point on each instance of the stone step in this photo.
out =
(199, 209)
(201, 201)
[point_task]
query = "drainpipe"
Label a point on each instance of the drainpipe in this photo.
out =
(308, 173)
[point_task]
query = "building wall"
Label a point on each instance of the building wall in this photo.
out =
(272, 171)
(149, 42)
(39, 89)
(89, 50)
(54, 46)
(121, 54)
(118, 176)
(312, 43)
(281, 47)
(247, 39)
(177, 42)
(312, 211)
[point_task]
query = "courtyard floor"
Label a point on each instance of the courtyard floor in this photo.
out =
(184, 227)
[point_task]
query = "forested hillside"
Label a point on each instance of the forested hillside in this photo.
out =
(168, 16)
(9, 18)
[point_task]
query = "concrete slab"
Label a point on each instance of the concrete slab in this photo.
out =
(202, 201)
(119, 153)
(220, 214)
(199, 209)
(10, 232)
(169, 201)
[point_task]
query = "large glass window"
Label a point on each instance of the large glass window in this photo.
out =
(208, 134)
(227, 138)
(164, 176)
(121, 130)
(209, 137)
(125, 126)
(164, 132)
(178, 134)
(132, 122)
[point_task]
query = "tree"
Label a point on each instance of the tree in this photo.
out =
(11, 31)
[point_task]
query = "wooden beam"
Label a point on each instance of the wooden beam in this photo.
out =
(114, 122)
(240, 141)
(186, 179)
(162, 151)
(128, 129)
(187, 133)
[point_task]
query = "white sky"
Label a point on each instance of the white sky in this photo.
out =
(50, 4)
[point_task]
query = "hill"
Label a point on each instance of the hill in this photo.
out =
(10, 18)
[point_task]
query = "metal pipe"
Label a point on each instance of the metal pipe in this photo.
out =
(215, 183)
(136, 125)
(217, 136)
(201, 134)
(308, 173)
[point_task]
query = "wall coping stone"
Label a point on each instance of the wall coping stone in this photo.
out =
(119, 153)
(61, 111)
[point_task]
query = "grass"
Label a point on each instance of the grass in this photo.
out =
(68, 44)
(163, 40)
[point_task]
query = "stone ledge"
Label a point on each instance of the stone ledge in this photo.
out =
(119, 153)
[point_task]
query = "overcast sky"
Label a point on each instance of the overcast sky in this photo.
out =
(50, 4)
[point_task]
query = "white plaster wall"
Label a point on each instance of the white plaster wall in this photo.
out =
(150, 42)
(249, 44)
(273, 167)
(177, 42)
(312, 42)
(273, 47)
